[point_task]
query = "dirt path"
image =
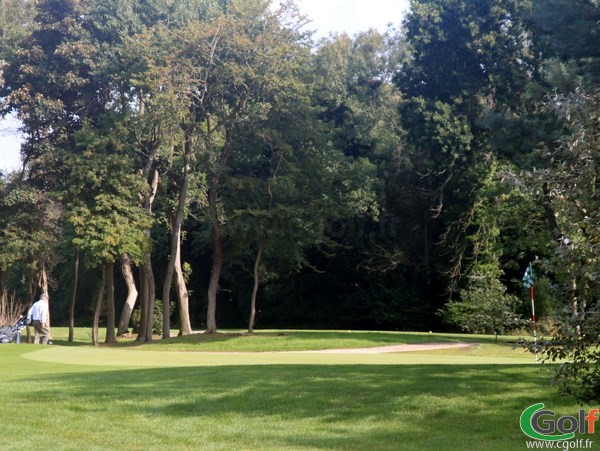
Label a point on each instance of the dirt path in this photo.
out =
(392, 348)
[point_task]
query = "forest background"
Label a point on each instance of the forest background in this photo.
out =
(209, 158)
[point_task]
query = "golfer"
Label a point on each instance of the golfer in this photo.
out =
(38, 316)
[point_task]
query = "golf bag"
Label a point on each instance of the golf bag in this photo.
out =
(12, 333)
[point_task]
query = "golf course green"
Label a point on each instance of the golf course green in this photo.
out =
(213, 393)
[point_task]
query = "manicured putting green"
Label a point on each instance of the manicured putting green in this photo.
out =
(158, 359)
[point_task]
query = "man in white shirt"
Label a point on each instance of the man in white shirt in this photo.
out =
(38, 316)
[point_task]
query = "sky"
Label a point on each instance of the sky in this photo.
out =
(352, 16)
(327, 16)
(9, 144)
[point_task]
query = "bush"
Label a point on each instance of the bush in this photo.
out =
(576, 352)
(157, 324)
(485, 307)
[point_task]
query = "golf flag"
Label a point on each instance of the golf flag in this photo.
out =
(528, 283)
(528, 277)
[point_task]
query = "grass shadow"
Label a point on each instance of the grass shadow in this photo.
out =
(308, 406)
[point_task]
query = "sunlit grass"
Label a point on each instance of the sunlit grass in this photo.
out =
(294, 340)
(276, 405)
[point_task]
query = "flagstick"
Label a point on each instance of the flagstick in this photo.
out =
(533, 317)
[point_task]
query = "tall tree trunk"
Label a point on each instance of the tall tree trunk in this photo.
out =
(584, 298)
(132, 295)
(574, 305)
(252, 320)
(574, 302)
(3, 290)
(150, 288)
(166, 295)
(98, 307)
(175, 256)
(216, 233)
(32, 291)
(143, 306)
(185, 325)
(43, 280)
(151, 175)
(215, 275)
(43, 283)
(262, 241)
(110, 303)
(551, 214)
(73, 300)
(147, 272)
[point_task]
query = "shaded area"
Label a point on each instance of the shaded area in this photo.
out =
(295, 406)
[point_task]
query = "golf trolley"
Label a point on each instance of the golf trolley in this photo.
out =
(9, 334)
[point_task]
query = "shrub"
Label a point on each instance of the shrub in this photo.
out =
(157, 323)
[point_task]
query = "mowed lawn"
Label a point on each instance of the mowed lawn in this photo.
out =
(166, 396)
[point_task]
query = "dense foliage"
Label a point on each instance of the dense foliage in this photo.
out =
(398, 180)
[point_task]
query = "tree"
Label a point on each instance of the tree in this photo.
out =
(60, 80)
(563, 175)
(467, 54)
(567, 30)
(484, 306)
(49, 84)
(176, 213)
(134, 57)
(575, 352)
(470, 64)
(29, 236)
(16, 22)
(283, 193)
(379, 243)
(163, 128)
(571, 178)
(105, 214)
(233, 86)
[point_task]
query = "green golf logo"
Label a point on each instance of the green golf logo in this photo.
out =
(540, 424)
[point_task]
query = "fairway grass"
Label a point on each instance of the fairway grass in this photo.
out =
(137, 398)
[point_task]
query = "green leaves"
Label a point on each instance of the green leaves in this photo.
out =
(571, 180)
(484, 306)
(30, 231)
(109, 229)
(105, 211)
(464, 47)
(16, 21)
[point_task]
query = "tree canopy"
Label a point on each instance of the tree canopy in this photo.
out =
(400, 179)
